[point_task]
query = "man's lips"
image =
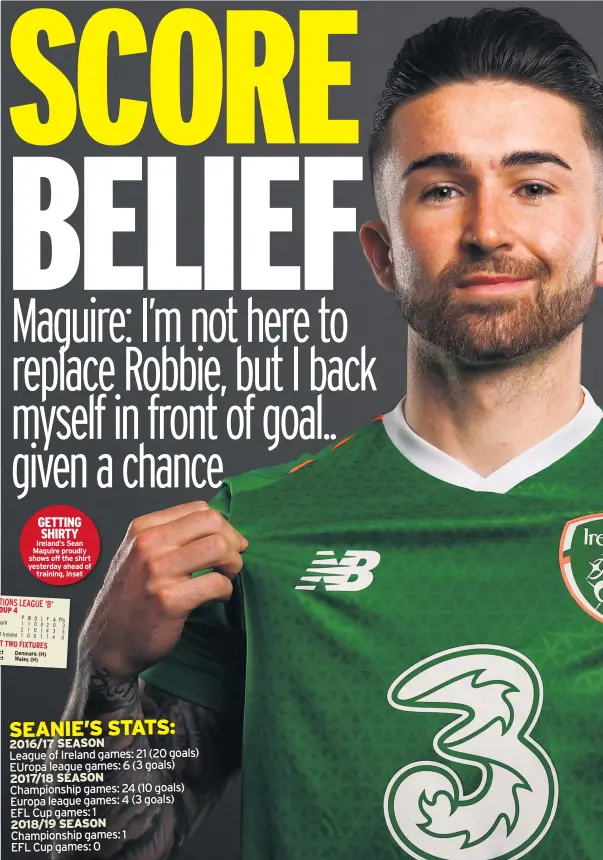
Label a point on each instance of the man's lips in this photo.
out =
(492, 283)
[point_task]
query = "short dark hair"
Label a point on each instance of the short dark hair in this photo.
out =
(518, 45)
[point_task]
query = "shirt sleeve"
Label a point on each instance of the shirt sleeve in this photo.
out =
(207, 664)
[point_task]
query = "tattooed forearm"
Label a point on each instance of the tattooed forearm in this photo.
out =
(105, 695)
(156, 831)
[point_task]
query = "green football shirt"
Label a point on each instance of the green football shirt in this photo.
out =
(418, 651)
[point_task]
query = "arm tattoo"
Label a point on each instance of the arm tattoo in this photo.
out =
(157, 831)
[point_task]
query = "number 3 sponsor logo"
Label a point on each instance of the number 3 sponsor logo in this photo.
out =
(496, 694)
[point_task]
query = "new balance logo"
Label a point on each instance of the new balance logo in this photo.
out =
(353, 573)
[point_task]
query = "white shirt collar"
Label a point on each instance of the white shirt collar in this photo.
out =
(436, 463)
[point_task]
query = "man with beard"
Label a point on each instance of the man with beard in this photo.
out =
(415, 635)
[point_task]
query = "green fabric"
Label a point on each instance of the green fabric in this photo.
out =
(350, 693)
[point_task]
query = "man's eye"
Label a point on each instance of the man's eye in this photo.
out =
(535, 190)
(440, 193)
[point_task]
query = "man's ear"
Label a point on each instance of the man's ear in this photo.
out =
(600, 253)
(374, 238)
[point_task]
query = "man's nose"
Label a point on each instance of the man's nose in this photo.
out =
(489, 226)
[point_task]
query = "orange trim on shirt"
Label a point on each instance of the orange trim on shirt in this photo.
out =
(300, 466)
(342, 442)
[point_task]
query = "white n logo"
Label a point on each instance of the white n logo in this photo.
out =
(353, 573)
(497, 694)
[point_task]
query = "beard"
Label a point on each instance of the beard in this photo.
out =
(498, 330)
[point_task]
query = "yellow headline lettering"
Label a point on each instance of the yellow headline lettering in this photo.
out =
(239, 78)
(140, 727)
(60, 729)
(207, 76)
(92, 77)
(245, 78)
(317, 73)
(44, 75)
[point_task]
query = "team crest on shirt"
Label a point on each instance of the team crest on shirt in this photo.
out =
(581, 562)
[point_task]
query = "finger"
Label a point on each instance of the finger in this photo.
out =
(166, 515)
(196, 525)
(214, 552)
(194, 592)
